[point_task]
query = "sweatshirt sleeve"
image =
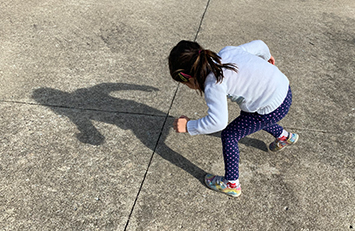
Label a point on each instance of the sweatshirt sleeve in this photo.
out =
(217, 117)
(258, 48)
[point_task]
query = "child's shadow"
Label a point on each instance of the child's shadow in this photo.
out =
(91, 101)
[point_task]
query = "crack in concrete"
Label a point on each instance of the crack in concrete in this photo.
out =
(319, 131)
(86, 109)
(162, 116)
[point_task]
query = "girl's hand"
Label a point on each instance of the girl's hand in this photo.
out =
(180, 124)
(272, 60)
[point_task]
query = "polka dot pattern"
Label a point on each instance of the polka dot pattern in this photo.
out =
(246, 124)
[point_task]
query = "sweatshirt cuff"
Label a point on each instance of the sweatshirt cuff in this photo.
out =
(191, 127)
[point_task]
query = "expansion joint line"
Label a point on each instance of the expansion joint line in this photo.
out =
(83, 108)
(163, 126)
(202, 18)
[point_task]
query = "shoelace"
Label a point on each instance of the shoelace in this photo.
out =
(218, 180)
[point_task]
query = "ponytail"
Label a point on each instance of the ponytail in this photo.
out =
(190, 59)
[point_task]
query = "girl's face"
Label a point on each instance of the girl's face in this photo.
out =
(191, 84)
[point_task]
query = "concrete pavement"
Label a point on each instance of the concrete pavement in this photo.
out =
(87, 106)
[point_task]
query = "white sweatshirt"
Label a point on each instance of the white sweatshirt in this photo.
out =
(258, 86)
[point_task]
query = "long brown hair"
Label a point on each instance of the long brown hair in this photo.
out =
(188, 58)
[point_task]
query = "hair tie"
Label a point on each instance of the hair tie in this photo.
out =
(184, 77)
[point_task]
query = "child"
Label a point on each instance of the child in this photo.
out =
(245, 74)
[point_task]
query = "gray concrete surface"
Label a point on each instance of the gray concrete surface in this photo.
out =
(87, 105)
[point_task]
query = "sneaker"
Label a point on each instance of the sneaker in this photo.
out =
(281, 144)
(217, 183)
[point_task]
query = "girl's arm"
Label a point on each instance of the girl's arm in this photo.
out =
(217, 118)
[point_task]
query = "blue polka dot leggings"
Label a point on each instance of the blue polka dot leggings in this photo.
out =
(246, 124)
